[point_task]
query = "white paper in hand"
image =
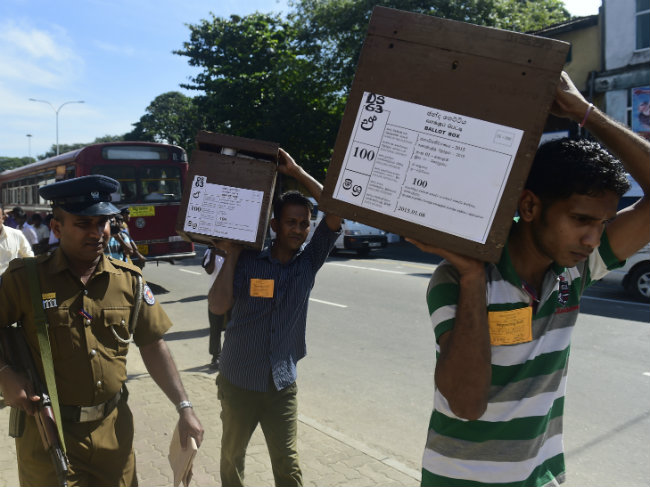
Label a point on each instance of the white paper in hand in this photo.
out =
(181, 459)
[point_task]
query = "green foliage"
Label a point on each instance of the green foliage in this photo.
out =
(63, 148)
(529, 15)
(13, 162)
(259, 82)
(339, 26)
(285, 80)
(171, 118)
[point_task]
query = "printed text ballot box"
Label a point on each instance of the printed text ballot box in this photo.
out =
(440, 129)
(228, 191)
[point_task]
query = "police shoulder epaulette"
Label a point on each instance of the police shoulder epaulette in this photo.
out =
(15, 264)
(125, 265)
(20, 263)
(43, 257)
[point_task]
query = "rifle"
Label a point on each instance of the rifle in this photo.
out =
(15, 352)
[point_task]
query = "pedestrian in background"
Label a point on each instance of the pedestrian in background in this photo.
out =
(135, 255)
(116, 248)
(52, 241)
(267, 293)
(42, 234)
(21, 224)
(13, 243)
(10, 221)
(212, 263)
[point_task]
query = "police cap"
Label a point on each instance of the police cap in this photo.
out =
(86, 195)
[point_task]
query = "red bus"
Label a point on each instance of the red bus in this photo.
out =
(151, 177)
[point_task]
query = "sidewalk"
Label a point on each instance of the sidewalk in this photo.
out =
(327, 457)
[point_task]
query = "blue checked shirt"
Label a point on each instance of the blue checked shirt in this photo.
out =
(267, 335)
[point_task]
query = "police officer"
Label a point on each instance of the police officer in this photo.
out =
(89, 300)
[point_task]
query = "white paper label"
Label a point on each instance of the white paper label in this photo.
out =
(431, 167)
(223, 211)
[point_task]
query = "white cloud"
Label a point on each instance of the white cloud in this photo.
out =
(113, 49)
(37, 57)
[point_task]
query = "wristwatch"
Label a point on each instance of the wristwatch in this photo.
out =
(183, 405)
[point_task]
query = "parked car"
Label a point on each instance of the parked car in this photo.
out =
(360, 238)
(635, 274)
(354, 236)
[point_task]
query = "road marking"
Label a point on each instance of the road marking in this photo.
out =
(619, 301)
(367, 268)
(327, 302)
(429, 268)
(190, 272)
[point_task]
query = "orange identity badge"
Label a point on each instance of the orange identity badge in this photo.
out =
(262, 288)
(511, 327)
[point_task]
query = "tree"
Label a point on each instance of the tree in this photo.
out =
(13, 162)
(171, 118)
(529, 15)
(70, 147)
(285, 80)
(259, 82)
(339, 26)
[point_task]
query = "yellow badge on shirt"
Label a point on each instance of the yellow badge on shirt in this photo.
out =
(511, 327)
(262, 288)
(49, 300)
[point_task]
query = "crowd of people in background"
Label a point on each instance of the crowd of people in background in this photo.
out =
(36, 238)
(35, 228)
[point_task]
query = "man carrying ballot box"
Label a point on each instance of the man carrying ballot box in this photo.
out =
(503, 330)
(267, 293)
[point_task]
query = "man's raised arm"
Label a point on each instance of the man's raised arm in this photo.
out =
(289, 167)
(631, 229)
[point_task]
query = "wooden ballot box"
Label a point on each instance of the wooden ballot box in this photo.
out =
(228, 191)
(440, 129)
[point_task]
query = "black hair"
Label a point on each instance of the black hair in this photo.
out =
(564, 167)
(37, 216)
(18, 212)
(291, 197)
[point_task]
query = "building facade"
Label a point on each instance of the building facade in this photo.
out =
(624, 81)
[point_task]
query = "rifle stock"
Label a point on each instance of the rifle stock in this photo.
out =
(15, 352)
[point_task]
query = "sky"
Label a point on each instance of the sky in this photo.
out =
(114, 55)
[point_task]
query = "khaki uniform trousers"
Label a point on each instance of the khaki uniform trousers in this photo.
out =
(277, 412)
(100, 453)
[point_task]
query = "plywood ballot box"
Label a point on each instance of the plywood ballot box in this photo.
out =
(440, 129)
(229, 189)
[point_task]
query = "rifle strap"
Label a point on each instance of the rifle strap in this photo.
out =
(44, 342)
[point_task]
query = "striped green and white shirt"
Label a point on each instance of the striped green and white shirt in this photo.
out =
(518, 440)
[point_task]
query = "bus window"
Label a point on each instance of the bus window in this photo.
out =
(125, 175)
(134, 152)
(160, 183)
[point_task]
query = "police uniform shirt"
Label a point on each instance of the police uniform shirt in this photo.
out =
(89, 361)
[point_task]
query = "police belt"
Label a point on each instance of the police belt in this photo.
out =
(84, 414)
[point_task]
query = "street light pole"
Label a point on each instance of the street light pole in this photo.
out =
(29, 145)
(56, 111)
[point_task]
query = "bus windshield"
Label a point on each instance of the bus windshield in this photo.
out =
(127, 152)
(143, 183)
